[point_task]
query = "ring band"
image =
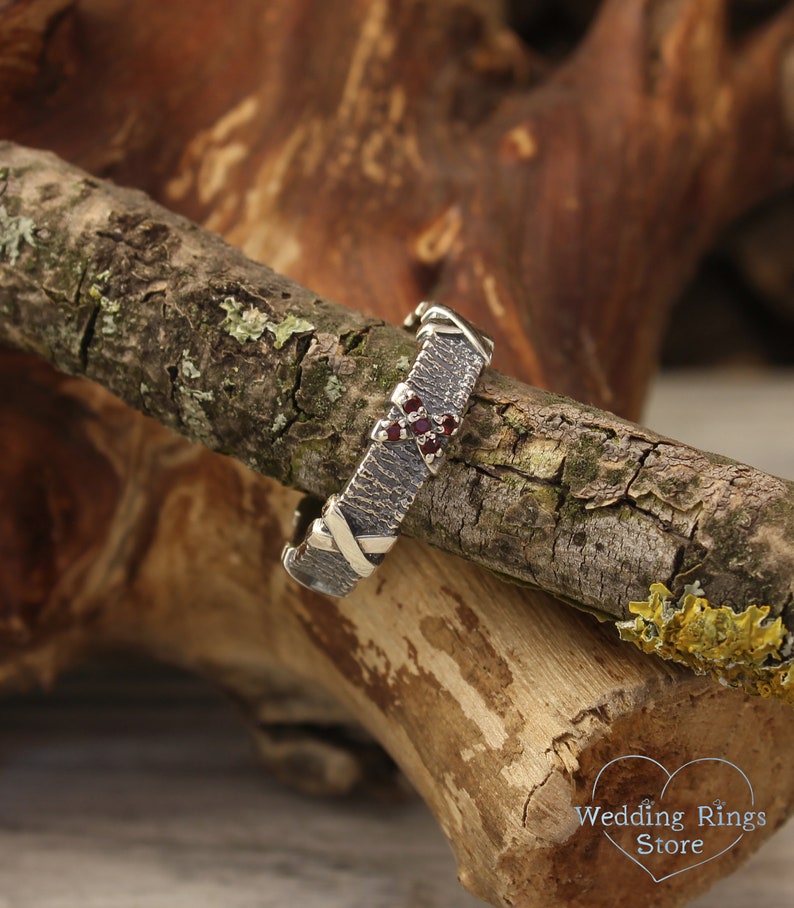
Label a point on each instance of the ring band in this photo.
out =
(353, 532)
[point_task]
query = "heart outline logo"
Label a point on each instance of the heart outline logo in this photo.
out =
(670, 777)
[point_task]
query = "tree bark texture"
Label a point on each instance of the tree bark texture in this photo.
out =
(380, 152)
(383, 152)
(499, 705)
(541, 489)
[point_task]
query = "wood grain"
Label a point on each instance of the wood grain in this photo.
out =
(540, 489)
(131, 786)
(420, 148)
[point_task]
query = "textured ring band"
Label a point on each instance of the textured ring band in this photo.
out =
(355, 529)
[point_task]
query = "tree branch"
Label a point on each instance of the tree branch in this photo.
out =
(106, 284)
(500, 706)
(570, 201)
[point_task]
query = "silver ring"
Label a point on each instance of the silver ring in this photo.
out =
(349, 537)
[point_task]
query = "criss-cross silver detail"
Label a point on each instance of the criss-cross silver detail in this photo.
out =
(358, 526)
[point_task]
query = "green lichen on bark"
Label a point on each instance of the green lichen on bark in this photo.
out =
(284, 330)
(15, 230)
(334, 389)
(740, 649)
(243, 324)
(247, 323)
(537, 487)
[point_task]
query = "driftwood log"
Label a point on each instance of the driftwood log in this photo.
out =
(545, 491)
(393, 171)
(178, 552)
(428, 152)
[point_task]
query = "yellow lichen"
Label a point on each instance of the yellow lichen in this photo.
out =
(738, 649)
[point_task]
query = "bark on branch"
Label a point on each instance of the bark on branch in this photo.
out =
(431, 151)
(545, 491)
(500, 706)
(425, 146)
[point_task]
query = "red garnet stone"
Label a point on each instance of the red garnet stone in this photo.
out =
(431, 446)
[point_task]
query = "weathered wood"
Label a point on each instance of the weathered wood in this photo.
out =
(543, 490)
(530, 191)
(428, 151)
(138, 786)
(761, 248)
(500, 705)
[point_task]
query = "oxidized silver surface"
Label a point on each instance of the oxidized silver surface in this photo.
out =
(357, 527)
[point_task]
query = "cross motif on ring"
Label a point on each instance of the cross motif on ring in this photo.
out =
(415, 422)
